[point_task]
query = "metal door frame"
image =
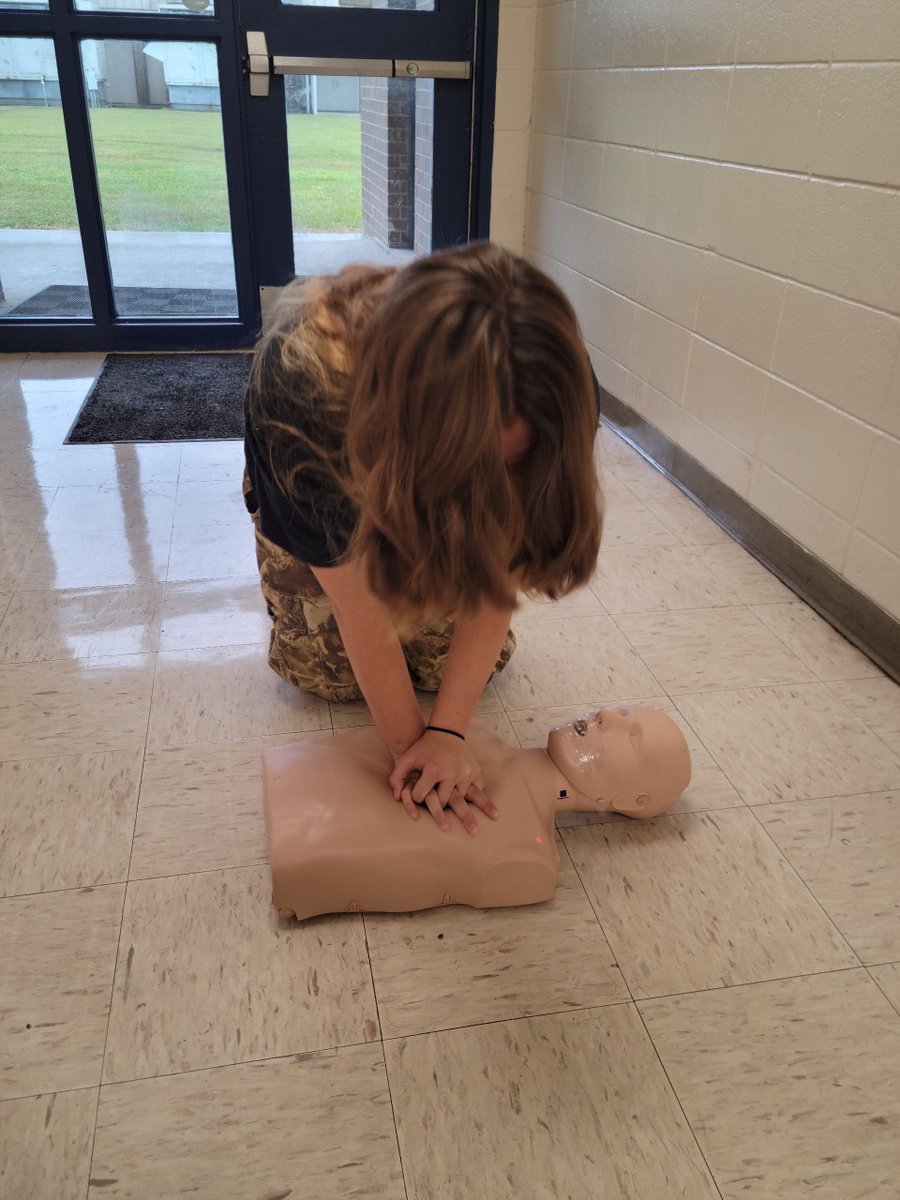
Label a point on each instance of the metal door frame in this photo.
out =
(256, 169)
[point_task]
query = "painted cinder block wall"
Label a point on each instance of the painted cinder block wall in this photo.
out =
(716, 184)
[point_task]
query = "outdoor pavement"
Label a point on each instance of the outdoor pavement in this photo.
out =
(34, 259)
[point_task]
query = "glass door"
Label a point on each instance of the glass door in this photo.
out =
(360, 131)
(167, 165)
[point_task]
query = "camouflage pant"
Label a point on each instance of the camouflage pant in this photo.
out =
(305, 646)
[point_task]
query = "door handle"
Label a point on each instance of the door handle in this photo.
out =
(259, 65)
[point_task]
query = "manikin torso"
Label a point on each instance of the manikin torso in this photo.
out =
(339, 842)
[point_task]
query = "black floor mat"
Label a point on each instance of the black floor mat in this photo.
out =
(63, 300)
(165, 398)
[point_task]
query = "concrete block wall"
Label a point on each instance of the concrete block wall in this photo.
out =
(716, 184)
(512, 121)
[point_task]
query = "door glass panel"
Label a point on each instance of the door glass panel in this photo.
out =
(156, 126)
(166, 8)
(361, 167)
(404, 5)
(41, 263)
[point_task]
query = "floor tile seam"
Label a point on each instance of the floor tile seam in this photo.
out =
(895, 1004)
(770, 804)
(155, 748)
(815, 899)
(593, 907)
(850, 716)
(712, 757)
(748, 983)
(387, 1075)
(106, 1084)
(67, 1091)
(662, 612)
(115, 969)
(678, 1101)
(796, 652)
(535, 1016)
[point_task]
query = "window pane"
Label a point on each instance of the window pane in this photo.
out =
(361, 165)
(41, 262)
(166, 8)
(157, 131)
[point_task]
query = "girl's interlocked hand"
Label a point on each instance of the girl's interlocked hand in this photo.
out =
(440, 771)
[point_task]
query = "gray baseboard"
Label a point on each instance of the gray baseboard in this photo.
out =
(855, 615)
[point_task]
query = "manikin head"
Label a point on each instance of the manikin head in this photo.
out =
(628, 760)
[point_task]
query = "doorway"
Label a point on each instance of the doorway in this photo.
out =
(168, 165)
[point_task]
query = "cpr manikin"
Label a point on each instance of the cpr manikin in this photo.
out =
(340, 842)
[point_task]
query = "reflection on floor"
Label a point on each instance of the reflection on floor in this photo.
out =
(708, 1008)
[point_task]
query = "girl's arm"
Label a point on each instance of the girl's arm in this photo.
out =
(448, 770)
(441, 760)
(375, 653)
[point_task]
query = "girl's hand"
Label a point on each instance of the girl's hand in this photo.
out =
(440, 771)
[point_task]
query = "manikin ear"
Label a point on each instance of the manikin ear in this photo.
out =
(635, 808)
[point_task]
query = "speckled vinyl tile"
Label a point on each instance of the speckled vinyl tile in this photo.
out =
(792, 1087)
(874, 701)
(701, 900)
(124, 557)
(570, 1105)
(353, 714)
(629, 526)
(583, 602)
(644, 480)
(572, 662)
(813, 640)
(210, 502)
(45, 1145)
(208, 976)
(82, 623)
(686, 518)
(749, 580)
(67, 822)
(656, 579)
(101, 703)
(711, 648)
(123, 465)
(847, 852)
(201, 808)
(311, 1125)
(887, 976)
(612, 448)
(58, 952)
(456, 966)
(226, 694)
(112, 508)
(24, 506)
(213, 612)
(213, 551)
(205, 461)
(790, 743)
(16, 548)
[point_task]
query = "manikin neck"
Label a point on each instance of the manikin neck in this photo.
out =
(567, 798)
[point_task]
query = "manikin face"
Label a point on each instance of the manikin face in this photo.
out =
(631, 760)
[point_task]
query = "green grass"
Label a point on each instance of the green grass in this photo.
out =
(163, 169)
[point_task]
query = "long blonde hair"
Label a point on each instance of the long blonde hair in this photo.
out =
(416, 374)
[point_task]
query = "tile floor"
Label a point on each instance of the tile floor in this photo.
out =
(710, 1007)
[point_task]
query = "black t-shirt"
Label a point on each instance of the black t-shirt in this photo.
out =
(315, 522)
